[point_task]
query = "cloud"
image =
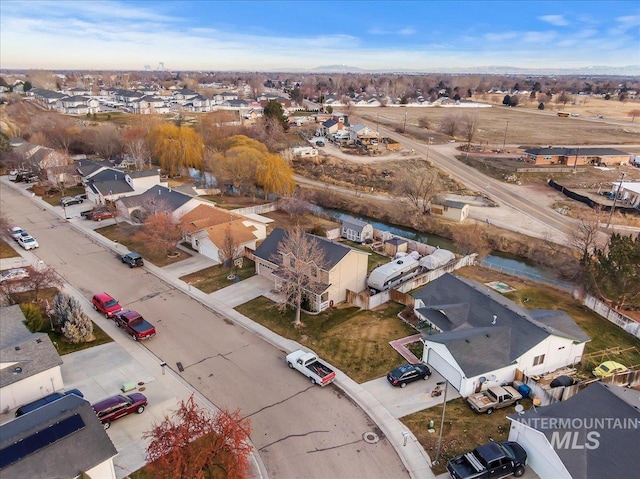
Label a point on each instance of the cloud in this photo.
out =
(402, 31)
(556, 20)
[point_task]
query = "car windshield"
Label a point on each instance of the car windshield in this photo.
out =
(28, 240)
(110, 303)
(604, 368)
(507, 451)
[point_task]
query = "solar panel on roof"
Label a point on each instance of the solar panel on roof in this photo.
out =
(40, 439)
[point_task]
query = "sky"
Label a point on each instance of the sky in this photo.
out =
(272, 35)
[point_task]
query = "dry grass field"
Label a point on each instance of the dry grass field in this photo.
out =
(524, 125)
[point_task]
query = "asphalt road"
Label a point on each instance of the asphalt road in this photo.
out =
(299, 430)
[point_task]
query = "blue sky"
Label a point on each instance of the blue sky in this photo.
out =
(275, 35)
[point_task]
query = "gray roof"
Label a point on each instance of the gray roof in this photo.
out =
(78, 450)
(109, 182)
(12, 326)
(354, 224)
(464, 309)
(582, 151)
(598, 403)
(88, 167)
(333, 252)
(453, 204)
(143, 174)
(173, 199)
(29, 357)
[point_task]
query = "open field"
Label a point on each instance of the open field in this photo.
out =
(522, 126)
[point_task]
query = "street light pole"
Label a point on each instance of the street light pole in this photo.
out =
(504, 143)
(615, 199)
(444, 407)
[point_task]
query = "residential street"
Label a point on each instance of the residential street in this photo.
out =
(299, 430)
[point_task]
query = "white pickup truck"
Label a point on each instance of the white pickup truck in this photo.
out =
(309, 365)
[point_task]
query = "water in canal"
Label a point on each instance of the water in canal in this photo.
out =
(496, 260)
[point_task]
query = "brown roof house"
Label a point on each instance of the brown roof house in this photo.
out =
(208, 229)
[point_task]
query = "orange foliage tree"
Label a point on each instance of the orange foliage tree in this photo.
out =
(193, 444)
(160, 233)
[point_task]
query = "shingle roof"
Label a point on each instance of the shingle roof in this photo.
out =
(204, 216)
(354, 224)
(80, 449)
(171, 198)
(614, 407)
(109, 182)
(463, 309)
(12, 326)
(88, 167)
(333, 252)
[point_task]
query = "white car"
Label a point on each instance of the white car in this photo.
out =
(13, 274)
(28, 242)
(16, 232)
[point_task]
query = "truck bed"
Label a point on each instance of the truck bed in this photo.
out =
(319, 369)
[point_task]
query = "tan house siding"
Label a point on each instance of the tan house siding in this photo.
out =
(349, 274)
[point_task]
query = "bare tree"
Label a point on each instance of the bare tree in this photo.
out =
(301, 260)
(106, 140)
(419, 188)
(40, 278)
(470, 239)
(469, 127)
(585, 236)
(230, 251)
(449, 125)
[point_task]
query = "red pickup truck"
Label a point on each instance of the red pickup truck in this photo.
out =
(134, 324)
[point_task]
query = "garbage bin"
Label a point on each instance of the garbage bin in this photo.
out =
(524, 390)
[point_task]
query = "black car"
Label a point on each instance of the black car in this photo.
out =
(132, 259)
(407, 373)
(70, 200)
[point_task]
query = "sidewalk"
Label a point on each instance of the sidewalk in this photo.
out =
(413, 455)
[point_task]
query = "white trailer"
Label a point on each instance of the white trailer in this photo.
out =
(392, 274)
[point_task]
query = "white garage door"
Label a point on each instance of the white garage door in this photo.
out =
(445, 369)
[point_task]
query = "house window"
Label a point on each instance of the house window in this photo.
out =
(292, 262)
(538, 360)
(314, 271)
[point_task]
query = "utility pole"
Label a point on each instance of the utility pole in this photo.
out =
(615, 198)
(444, 406)
(428, 145)
(575, 163)
(404, 128)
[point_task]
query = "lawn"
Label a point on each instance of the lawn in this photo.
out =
(215, 278)
(46, 295)
(355, 341)
(54, 200)
(6, 251)
(463, 429)
(124, 233)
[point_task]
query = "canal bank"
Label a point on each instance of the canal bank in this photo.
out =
(502, 262)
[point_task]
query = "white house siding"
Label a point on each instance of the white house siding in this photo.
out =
(558, 352)
(31, 388)
(493, 378)
(104, 470)
(540, 455)
(207, 248)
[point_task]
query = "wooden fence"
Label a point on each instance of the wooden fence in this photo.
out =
(619, 319)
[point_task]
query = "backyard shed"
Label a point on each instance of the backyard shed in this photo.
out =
(356, 230)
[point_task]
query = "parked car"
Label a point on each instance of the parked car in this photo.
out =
(101, 215)
(13, 274)
(407, 373)
(132, 259)
(105, 304)
(28, 242)
(70, 200)
(491, 460)
(134, 325)
(609, 368)
(115, 407)
(16, 232)
(44, 401)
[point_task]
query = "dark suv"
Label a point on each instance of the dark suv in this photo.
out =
(118, 406)
(132, 259)
(407, 373)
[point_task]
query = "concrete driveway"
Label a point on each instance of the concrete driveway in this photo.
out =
(244, 291)
(415, 397)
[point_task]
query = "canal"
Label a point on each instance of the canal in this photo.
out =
(496, 260)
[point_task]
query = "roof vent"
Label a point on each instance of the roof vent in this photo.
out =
(38, 340)
(17, 348)
(494, 319)
(17, 370)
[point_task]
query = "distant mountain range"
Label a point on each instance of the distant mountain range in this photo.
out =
(629, 70)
